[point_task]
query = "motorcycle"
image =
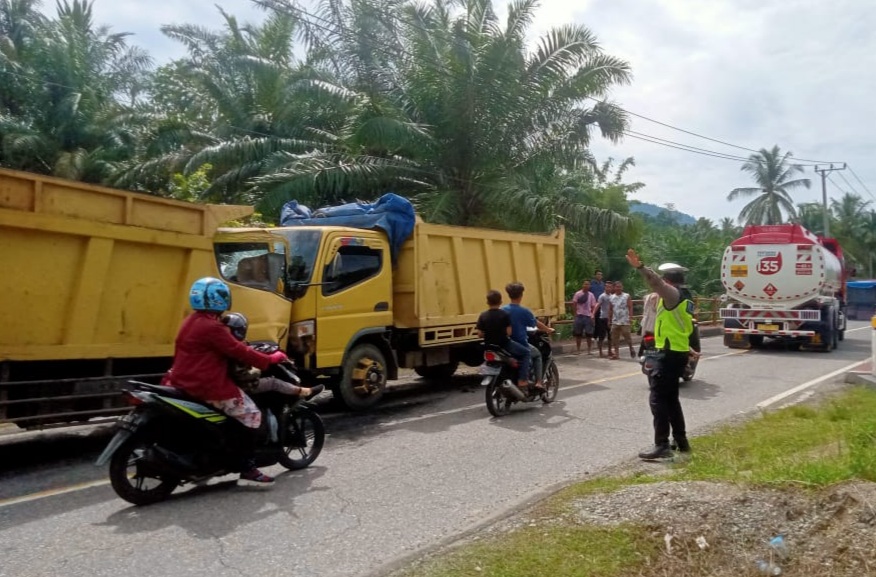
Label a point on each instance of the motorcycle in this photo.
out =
(650, 358)
(170, 439)
(500, 377)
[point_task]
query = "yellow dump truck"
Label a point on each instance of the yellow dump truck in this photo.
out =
(94, 285)
(346, 313)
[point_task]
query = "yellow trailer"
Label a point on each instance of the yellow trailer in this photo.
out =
(95, 283)
(354, 317)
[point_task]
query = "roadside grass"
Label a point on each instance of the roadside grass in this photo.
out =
(570, 551)
(800, 446)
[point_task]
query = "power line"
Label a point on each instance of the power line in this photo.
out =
(689, 148)
(631, 113)
(833, 182)
(683, 147)
(849, 184)
(862, 182)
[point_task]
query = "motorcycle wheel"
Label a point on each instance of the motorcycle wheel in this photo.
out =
(305, 437)
(131, 485)
(551, 384)
(497, 403)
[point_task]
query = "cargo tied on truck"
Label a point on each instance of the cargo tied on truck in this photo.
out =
(784, 283)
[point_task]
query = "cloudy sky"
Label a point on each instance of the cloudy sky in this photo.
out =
(754, 73)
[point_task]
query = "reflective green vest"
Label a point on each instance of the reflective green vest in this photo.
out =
(674, 327)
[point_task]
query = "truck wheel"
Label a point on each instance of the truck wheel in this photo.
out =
(363, 381)
(756, 341)
(437, 372)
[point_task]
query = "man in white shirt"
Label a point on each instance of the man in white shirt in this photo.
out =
(621, 319)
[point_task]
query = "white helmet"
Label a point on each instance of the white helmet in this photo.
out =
(671, 267)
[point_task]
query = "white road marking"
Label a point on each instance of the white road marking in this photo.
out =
(808, 384)
(52, 493)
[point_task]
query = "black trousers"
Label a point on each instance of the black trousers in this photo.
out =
(665, 404)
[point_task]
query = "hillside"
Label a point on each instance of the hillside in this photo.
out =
(653, 211)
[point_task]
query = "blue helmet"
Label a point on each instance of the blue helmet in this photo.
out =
(210, 294)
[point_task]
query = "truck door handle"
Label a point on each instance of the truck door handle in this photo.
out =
(381, 306)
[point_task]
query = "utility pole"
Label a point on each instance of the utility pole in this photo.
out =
(826, 215)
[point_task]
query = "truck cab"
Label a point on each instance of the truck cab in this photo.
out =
(327, 285)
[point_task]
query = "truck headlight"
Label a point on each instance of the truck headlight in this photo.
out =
(301, 337)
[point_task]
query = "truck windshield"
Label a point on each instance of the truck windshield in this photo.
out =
(251, 264)
(303, 247)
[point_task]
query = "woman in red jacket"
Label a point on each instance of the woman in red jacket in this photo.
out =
(203, 349)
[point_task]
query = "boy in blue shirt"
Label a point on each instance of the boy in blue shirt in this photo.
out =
(521, 318)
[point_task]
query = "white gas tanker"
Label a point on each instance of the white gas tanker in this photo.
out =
(783, 282)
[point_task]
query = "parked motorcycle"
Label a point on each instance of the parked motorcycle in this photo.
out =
(500, 371)
(170, 439)
(650, 358)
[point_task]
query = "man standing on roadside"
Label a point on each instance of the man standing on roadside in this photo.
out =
(597, 287)
(621, 321)
(585, 305)
(603, 325)
(672, 332)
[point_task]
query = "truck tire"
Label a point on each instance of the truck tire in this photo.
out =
(437, 372)
(756, 341)
(363, 380)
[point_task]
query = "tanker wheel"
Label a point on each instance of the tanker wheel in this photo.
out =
(363, 381)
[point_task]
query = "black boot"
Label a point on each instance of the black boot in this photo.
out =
(656, 452)
(681, 445)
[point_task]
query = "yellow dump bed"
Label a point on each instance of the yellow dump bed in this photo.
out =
(92, 272)
(444, 273)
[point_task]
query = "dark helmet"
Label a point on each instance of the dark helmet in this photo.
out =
(238, 325)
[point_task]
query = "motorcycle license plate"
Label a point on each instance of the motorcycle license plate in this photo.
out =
(767, 327)
(490, 370)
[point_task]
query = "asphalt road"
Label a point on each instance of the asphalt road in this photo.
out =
(430, 464)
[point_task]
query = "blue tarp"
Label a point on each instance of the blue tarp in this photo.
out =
(392, 214)
(861, 284)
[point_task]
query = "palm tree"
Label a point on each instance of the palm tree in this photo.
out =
(72, 121)
(449, 106)
(773, 174)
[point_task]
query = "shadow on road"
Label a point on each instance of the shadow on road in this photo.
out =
(699, 390)
(217, 509)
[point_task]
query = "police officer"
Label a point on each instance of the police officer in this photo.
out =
(672, 332)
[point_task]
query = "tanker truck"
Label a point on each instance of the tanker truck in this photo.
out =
(783, 283)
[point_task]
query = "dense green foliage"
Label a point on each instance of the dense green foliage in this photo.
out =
(440, 101)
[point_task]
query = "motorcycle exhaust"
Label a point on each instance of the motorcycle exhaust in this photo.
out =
(511, 390)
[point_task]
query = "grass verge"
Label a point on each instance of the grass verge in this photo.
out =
(800, 446)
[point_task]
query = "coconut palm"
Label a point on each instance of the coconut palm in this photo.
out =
(773, 174)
